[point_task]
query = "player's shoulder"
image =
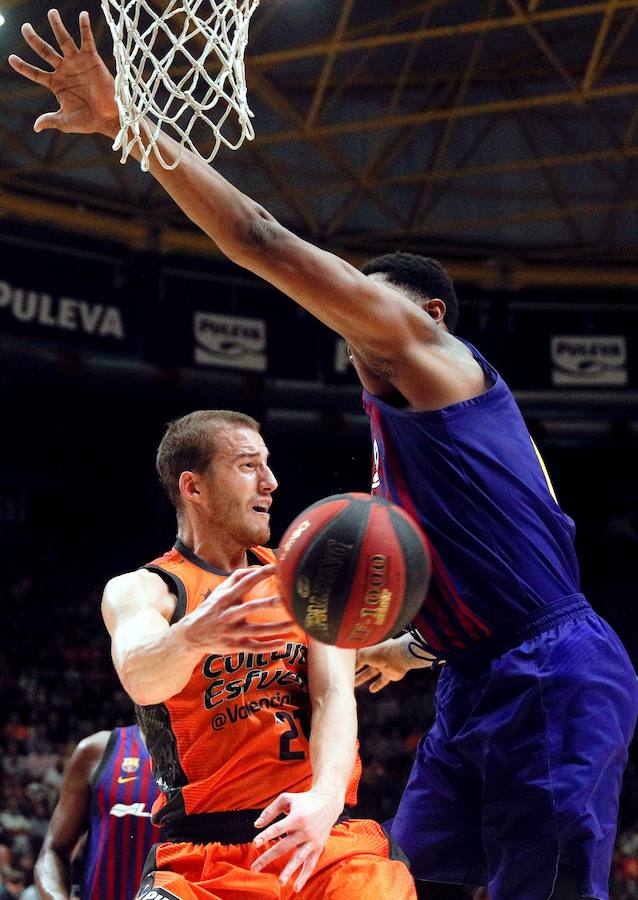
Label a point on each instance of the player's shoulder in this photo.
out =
(144, 580)
(135, 592)
(94, 742)
(167, 561)
(87, 754)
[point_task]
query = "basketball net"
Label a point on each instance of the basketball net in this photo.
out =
(180, 70)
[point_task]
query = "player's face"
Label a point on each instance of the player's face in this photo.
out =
(238, 487)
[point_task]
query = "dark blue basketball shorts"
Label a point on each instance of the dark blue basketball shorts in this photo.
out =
(522, 768)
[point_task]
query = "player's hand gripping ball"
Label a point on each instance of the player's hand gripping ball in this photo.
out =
(353, 570)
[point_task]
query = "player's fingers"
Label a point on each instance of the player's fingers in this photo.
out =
(308, 868)
(246, 578)
(241, 610)
(62, 36)
(364, 675)
(263, 602)
(29, 71)
(236, 575)
(361, 669)
(87, 41)
(297, 859)
(365, 663)
(266, 629)
(379, 684)
(235, 586)
(49, 120)
(279, 805)
(40, 46)
(253, 646)
(241, 581)
(280, 848)
(231, 597)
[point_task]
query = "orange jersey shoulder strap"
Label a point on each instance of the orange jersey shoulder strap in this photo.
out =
(264, 554)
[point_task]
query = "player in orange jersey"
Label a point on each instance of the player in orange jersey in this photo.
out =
(251, 726)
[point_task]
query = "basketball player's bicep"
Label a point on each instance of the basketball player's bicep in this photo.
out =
(364, 312)
(136, 607)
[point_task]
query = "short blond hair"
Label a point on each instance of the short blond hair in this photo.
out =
(190, 443)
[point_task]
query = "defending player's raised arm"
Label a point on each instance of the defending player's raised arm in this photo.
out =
(70, 820)
(153, 659)
(369, 315)
(373, 317)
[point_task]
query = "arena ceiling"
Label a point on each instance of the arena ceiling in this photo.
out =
(487, 131)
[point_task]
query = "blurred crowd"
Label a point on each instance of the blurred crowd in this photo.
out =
(54, 690)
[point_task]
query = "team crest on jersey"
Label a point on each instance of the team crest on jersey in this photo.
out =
(130, 764)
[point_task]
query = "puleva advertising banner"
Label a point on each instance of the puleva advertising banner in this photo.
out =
(230, 342)
(584, 360)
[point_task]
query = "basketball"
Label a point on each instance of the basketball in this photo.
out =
(353, 569)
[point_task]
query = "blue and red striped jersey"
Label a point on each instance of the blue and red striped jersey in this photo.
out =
(120, 831)
(471, 475)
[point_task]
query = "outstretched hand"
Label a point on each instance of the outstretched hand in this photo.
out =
(80, 81)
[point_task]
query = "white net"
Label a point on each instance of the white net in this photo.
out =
(180, 71)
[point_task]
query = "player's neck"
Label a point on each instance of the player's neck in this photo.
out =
(219, 551)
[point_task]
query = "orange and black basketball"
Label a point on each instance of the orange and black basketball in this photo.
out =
(353, 569)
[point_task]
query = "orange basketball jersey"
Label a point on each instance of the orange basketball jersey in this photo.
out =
(236, 736)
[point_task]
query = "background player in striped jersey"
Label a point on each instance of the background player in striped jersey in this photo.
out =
(106, 797)
(517, 784)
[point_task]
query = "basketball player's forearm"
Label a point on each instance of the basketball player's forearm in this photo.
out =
(211, 202)
(333, 746)
(52, 876)
(324, 284)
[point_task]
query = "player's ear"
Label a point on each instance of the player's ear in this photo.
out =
(189, 486)
(435, 308)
